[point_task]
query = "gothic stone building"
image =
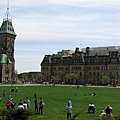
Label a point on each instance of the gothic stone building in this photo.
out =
(91, 64)
(7, 61)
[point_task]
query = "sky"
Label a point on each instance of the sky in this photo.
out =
(45, 27)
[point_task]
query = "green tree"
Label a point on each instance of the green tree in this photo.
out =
(113, 77)
(16, 75)
(72, 77)
(25, 77)
(106, 79)
(55, 79)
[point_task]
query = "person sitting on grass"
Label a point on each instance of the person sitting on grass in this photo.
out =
(8, 105)
(108, 110)
(20, 106)
(91, 108)
(12, 103)
(102, 115)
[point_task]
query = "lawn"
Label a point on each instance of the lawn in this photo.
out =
(56, 99)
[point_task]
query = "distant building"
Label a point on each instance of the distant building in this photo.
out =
(90, 64)
(7, 61)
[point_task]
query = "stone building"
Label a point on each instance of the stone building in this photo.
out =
(7, 61)
(88, 64)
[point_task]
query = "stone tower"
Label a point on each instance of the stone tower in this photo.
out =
(7, 39)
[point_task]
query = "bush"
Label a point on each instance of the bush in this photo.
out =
(12, 114)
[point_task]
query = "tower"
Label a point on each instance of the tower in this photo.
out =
(7, 39)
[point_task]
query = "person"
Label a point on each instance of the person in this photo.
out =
(16, 89)
(12, 103)
(69, 101)
(12, 89)
(91, 108)
(20, 102)
(9, 97)
(108, 110)
(41, 104)
(36, 105)
(20, 106)
(28, 103)
(69, 111)
(8, 105)
(25, 105)
(4, 93)
(35, 96)
(0, 99)
(102, 115)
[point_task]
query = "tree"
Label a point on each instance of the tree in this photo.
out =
(113, 77)
(24, 77)
(16, 75)
(55, 79)
(72, 77)
(106, 79)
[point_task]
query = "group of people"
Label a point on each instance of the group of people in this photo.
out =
(39, 105)
(14, 89)
(91, 109)
(107, 111)
(21, 104)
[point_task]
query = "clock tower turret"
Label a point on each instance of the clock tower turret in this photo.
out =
(7, 39)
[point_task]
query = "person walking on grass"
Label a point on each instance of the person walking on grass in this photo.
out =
(69, 111)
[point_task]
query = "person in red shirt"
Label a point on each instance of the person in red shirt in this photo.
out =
(8, 105)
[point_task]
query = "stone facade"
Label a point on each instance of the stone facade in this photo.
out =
(87, 66)
(7, 61)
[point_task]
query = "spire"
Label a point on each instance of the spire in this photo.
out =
(6, 26)
(8, 14)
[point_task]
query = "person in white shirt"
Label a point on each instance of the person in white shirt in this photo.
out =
(102, 115)
(69, 111)
(20, 107)
(25, 105)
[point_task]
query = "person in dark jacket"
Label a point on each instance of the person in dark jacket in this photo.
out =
(108, 110)
(41, 104)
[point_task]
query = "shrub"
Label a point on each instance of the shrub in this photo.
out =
(12, 114)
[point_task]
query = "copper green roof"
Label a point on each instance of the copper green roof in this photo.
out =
(4, 59)
(7, 27)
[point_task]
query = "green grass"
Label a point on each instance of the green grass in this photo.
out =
(56, 98)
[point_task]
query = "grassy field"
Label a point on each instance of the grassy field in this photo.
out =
(56, 99)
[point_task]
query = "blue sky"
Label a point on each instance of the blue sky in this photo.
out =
(48, 26)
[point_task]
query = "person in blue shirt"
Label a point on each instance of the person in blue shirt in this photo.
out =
(69, 101)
